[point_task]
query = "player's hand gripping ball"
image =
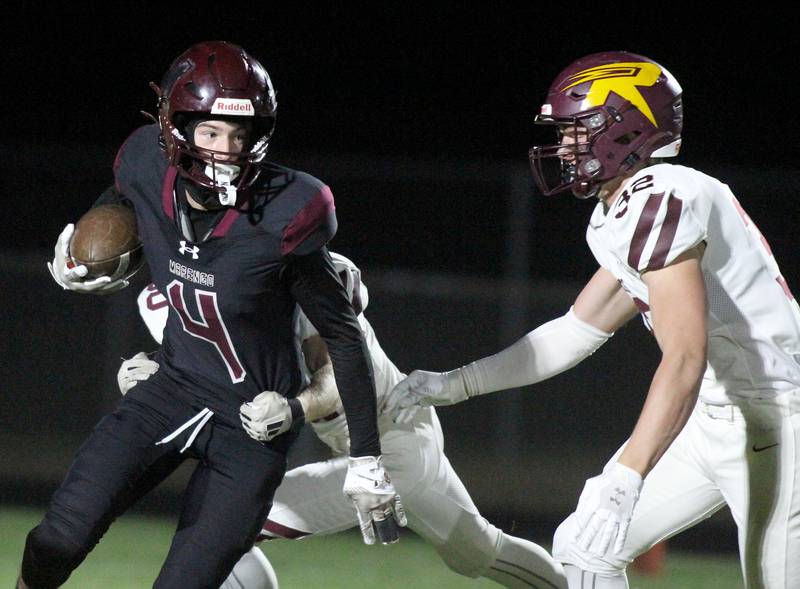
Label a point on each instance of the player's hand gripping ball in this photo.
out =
(101, 254)
(106, 241)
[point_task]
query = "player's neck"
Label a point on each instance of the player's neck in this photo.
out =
(193, 203)
(610, 191)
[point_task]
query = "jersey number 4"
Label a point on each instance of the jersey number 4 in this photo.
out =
(209, 327)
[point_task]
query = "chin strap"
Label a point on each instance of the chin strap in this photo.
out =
(223, 176)
(228, 198)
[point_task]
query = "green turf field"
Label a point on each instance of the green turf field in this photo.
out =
(131, 553)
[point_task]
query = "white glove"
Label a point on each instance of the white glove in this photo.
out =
(268, 415)
(425, 388)
(136, 369)
(605, 509)
(377, 503)
(71, 277)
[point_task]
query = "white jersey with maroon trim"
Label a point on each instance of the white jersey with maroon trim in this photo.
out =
(332, 430)
(754, 321)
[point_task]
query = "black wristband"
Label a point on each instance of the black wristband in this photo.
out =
(297, 410)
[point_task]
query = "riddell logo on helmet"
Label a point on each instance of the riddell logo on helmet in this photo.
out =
(233, 106)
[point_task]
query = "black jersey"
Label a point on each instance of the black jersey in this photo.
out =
(232, 292)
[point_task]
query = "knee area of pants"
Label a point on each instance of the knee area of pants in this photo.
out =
(49, 557)
(459, 564)
(469, 555)
(54, 545)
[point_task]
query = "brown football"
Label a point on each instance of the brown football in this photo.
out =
(107, 243)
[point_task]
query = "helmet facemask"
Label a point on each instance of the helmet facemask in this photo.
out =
(219, 175)
(568, 163)
(593, 148)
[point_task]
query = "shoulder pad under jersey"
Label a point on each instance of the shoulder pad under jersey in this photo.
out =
(662, 213)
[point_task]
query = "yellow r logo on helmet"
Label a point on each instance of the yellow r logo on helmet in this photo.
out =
(620, 78)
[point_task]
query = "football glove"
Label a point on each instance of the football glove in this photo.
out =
(134, 370)
(425, 388)
(268, 415)
(605, 509)
(70, 276)
(377, 504)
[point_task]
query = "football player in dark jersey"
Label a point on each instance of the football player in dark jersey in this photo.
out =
(234, 242)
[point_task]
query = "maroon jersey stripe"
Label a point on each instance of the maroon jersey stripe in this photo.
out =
(275, 529)
(307, 220)
(667, 234)
(167, 190)
(643, 227)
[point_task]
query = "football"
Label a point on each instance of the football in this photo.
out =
(106, 241)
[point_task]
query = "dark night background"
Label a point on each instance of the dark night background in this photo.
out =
(413, 113)
(434, 81)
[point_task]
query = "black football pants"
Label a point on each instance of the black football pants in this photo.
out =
(226, 501)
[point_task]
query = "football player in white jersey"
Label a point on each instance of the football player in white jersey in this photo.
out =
(309, 499)
(721, 421)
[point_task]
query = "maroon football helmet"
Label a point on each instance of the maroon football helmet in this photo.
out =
(216, 79)
(610, 111)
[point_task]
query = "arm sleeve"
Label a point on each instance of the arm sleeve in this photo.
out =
(350, 277)
(313, 282)
(546, 351)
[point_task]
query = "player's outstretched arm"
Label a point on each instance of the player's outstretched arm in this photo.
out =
(550, 349)
(70, 276)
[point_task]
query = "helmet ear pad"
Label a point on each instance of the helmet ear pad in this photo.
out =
(623, 142)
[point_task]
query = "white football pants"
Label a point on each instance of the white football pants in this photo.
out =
(745, 456)
(310, 501)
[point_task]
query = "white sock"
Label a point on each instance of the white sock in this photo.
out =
(580, 579)
(524, 565)
(253, 571)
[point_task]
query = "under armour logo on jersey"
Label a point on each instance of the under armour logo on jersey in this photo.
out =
(186, 249)
(618, 494)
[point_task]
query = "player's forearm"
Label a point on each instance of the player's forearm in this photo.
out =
(316, 287)
(353, 374)
(321, 397)
(548, 350)
(669, 403)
